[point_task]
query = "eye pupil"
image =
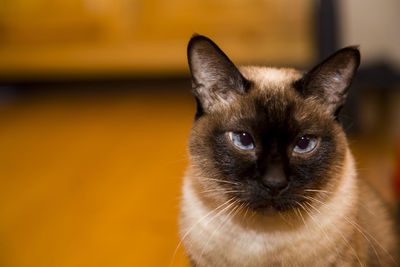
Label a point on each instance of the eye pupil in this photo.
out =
(245, 139)
(303, 142)
(242, 140)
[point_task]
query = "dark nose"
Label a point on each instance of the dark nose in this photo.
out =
(275, 180)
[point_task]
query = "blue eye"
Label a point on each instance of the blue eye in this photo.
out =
(242, 140)
(305, 144)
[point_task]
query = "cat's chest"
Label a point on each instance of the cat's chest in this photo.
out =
(224, 244)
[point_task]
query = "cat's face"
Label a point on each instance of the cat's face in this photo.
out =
(266, 138)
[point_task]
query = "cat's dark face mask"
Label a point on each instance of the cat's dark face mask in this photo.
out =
(268, 146)
(270, 151)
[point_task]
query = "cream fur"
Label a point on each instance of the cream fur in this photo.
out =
(271, 78)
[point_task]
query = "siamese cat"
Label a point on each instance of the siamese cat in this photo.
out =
(271, 179)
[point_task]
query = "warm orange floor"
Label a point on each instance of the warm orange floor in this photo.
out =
(95, 180)
(92, 181)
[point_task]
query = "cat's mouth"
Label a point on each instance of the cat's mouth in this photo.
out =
(272, 207)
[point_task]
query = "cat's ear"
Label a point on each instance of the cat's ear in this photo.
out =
(215, 79)
(329, 81)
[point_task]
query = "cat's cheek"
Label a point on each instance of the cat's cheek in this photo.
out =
(234, 165)
(307, 173)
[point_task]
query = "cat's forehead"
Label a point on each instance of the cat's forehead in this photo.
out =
(272, 100)
(273, 94)
(264, 78)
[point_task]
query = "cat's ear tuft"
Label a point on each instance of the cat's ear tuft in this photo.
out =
(329, 81)
(215, 79)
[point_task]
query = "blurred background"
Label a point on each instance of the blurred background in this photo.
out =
(95, 110)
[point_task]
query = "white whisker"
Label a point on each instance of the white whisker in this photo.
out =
(219, 226)
(340, 233)
(363, 232)
(199, 221)
(297, 210)
(221, 190)
(318, 191)
(220, 181)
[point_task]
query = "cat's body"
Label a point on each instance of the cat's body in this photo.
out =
(288, 195)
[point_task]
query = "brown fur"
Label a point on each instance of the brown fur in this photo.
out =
(342, 223)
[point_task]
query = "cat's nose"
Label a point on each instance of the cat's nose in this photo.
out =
(275, 184)
(275, 180)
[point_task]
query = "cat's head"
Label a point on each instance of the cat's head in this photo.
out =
(267, 138)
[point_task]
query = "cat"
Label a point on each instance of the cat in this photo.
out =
(271, 180)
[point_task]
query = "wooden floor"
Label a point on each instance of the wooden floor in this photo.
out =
(92, 182)
(95, 180)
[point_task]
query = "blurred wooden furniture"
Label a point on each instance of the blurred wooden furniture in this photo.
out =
(45, 38)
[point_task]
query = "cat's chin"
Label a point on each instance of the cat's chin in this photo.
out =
(268, 211)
